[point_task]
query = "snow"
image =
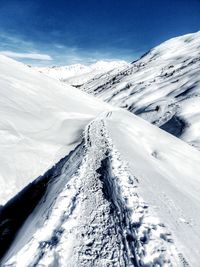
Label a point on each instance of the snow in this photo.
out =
(168, 173)
(122, 192)
(41, 121)
(122, 198)
(166, 77)
(92, 215)
(79, 74)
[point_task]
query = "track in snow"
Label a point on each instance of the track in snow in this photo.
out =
(92, 215)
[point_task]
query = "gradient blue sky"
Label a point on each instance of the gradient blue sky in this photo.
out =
(45, 32)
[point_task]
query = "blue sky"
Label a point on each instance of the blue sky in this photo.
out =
(46, 32)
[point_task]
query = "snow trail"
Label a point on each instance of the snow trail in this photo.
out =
(93, 216)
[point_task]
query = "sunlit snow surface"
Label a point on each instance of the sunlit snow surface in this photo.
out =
(126, 195)
(163, 87)
(94, 215)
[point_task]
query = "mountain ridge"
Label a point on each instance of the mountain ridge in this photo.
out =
(161, 87)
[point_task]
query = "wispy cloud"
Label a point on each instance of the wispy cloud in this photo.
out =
(56, 53)
(26, 55)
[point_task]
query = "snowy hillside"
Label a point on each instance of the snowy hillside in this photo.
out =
(163, 87)
(121, 191)
(41, 121)
(79, 74)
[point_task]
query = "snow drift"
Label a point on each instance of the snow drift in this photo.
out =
(41, 121)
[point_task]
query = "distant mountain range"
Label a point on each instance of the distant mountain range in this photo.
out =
(79, 74)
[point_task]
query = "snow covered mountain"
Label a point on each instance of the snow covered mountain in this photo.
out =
(79, 74)
(121, 191)
(162, 87)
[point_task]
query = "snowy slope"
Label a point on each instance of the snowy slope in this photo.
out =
(125, 192)
(163, 87)
(79, 74)
(41, 121)
(98, 211)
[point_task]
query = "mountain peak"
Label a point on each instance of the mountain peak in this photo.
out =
(78, 74)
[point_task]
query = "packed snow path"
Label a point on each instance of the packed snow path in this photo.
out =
(92, 215)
